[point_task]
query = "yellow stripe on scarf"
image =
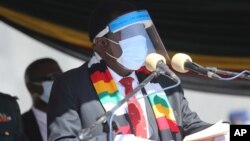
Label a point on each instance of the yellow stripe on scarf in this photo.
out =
(102, 86)
(161, 111)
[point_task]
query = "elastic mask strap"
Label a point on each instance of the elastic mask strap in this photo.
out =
(107, 52)
(37, 83)
(111, 55)
(112, 41)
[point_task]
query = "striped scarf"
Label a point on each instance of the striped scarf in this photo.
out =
(109, 94)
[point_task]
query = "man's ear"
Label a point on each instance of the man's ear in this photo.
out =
(101, 45)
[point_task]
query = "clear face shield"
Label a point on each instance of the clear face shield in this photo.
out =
(136, 34)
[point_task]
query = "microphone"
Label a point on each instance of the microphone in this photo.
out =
(183, 63)
(230, 73)
(156, 62)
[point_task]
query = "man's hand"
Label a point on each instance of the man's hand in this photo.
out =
(84, 135)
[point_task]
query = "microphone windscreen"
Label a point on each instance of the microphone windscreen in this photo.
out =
(152, 59)
(178, 62)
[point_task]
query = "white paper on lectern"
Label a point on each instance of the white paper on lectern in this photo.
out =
(218, 129)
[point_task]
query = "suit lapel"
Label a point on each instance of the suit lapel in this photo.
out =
(31, 127)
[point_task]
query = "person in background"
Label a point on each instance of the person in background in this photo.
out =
(239, 117)
(10, 118)
(122, 37)
(39, 77)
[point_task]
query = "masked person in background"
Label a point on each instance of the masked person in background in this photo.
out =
(39, 77)
(122, 37)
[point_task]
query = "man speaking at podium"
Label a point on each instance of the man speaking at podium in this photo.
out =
(122, 37)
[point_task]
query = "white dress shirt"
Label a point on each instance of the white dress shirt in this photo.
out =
(138, 95)
(41, 118)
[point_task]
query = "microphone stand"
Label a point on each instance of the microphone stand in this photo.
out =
(84, 134)
(230, 73)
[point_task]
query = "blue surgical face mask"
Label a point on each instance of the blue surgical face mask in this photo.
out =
(47, 85)
(134, 52)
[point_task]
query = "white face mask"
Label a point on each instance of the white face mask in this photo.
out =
(47, 85)
(134, 52)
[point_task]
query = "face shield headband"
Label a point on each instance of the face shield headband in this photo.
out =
(133, 24)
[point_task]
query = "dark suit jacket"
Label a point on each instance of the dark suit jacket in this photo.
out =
(30, 127)
(74, 105)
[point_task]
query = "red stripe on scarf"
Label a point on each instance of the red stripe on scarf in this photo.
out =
(143, 70)
(123, 129)
(164, 123)
(97, 76)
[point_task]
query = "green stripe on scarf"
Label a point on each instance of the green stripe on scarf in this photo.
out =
(159, 99)
(106, 97)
